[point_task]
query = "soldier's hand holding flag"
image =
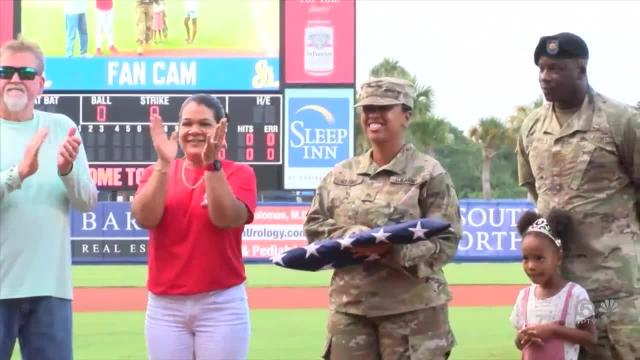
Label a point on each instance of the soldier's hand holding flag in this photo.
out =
(356, 248)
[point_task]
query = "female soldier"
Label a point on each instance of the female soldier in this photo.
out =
(394, 307)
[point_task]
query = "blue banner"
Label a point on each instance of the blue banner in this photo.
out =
(109, 232)
(161, 73)
(108, 221)
(489, 230)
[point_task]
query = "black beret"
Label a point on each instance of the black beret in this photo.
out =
(561, 46)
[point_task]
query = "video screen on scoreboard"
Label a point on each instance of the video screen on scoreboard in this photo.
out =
(96, 45)
(6, 25)
(115, 130)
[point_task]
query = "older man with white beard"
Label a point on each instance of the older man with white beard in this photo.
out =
(43, 171)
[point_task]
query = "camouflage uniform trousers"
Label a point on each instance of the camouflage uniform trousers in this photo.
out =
(618, 325)
(144, 16)
(422, 334)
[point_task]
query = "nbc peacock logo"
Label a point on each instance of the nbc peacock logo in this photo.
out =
(607, 308)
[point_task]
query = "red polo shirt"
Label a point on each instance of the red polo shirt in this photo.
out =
(186, 253)
(104, 5)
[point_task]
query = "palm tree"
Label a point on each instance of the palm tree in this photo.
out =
(362, 143)
(390, 67)
(491, 134)
(426, 130)
(515, 121)
(424, 95)
(423, 102)
(427, 133)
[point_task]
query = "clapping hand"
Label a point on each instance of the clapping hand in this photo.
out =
(29, 164)
(166, 147)
(215, 142)
(68, 152)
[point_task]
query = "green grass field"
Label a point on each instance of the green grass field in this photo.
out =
(482, 332)
(267, 275)
(222, 25)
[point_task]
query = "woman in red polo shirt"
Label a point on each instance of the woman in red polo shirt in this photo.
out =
(195, 209)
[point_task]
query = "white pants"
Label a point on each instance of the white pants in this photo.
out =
(104, 25)
(213, 325)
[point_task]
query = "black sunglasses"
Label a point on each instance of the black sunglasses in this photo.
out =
(367, 109)
(24, 72)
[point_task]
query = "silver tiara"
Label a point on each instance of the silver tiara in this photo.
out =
(542, 226)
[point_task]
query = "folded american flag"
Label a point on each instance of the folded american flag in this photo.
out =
(335, 253)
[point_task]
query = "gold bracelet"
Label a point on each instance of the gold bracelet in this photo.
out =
(158, 168)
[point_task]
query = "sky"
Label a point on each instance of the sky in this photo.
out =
(477, 56)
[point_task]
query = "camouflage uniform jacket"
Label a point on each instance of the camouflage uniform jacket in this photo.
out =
(358, 195)
(590, 167)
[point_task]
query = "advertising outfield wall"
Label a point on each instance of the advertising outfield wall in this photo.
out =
(109, 234)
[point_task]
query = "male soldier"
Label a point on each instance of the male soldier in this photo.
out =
(394, 306)
(144, 16)
(581, 152)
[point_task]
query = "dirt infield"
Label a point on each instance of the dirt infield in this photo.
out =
(135, 299)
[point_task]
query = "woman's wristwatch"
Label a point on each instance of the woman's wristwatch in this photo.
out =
(216, 165)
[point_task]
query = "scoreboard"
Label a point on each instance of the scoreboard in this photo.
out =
(115, 130)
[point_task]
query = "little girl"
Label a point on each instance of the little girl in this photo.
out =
(158, 19)
(553, 317)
